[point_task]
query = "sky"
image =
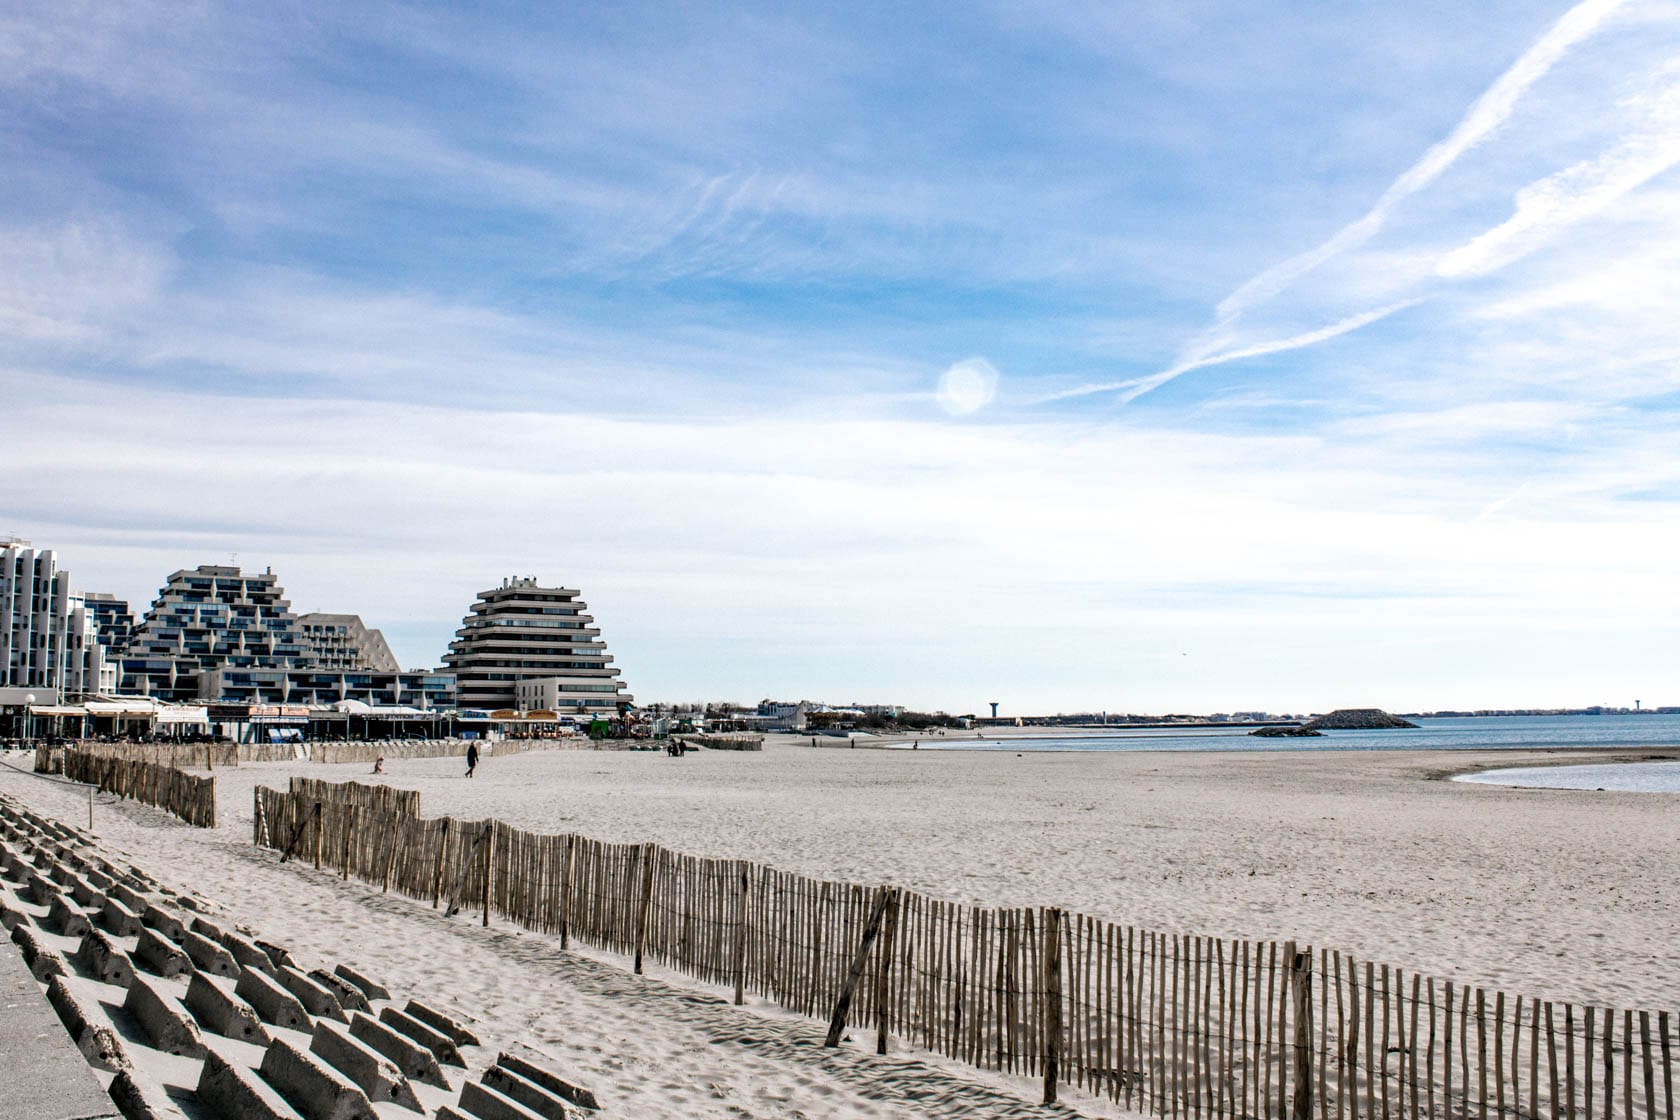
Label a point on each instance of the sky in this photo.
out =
(1167, 356)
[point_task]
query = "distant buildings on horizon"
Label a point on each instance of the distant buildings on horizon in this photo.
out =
(218, 635)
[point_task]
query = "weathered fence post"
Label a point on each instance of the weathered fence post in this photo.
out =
(298, 831)
(566, 892)
(437, 871)
(645, 903)
(349, 831)
(320, 832)
(392, 829)
(883, 975)
(842, 1005)
(741, 912)
(1052, 1002)
(1300, 987)
(489, 866)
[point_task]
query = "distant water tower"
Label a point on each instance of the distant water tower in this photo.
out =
(994, 709)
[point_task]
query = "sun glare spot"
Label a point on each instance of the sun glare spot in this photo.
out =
(968, 386)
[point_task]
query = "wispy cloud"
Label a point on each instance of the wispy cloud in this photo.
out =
(1490, 111)
(1131, 389)
(1542, 209)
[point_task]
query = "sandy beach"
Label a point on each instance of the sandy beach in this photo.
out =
(1562, 894)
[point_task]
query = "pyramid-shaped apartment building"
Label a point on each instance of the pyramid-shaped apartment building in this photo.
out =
(527, 647)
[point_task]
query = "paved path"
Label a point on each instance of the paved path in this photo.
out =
(44, 1076)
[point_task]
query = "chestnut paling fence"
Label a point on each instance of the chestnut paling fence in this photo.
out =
(1175, 1025)
(188, 796)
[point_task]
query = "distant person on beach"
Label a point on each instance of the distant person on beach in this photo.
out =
(379, 765)
(472, 758)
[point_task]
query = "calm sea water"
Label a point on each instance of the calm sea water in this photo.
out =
(1634, 777)
(1486, 733)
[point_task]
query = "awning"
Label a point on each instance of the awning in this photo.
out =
(183, 716)
(57, 710)
(139, 706)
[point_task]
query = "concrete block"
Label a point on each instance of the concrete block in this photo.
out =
(160, 1014)
(369, 989)
(138, 1097)
(372, 1072)
(316, 1000)
(209, 956)
(414, 1060)
(349, 996)
(103, 960)
(439, 1044)
(219, 1010)
(525, 1091)
(549, 1080)
(170, 925)
(39, 889)
(99, 881)
(89, 1030)
(87, 895)
(235, 1091)
(10, 916)
(445, 1024)
(128, 896)
(161, 956)
(65, 919)
(486, 1103)
(313, 1087)
(277, 954)
(43, 961)
(206, 929)
(246, 953)
(117, 918)
(275, 1004)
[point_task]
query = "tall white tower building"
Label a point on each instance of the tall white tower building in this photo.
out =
(47, 636)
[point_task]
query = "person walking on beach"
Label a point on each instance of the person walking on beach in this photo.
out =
(472, 758)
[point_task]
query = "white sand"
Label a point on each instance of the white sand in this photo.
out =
(1564, 894)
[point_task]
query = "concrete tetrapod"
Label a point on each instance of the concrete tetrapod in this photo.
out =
(439, 1044)
(235, 1091)
(413, 1059)
(163, 1018)
(312, 1087)
(223, 1012)
(275, 1004)
(377, 1076)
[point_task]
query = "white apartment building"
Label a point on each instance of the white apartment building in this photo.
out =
(344, 641)
(47, 635)
(533, 647)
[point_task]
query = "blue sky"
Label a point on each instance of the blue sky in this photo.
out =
(1169, 357)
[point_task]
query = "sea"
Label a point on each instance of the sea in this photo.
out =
(1446, 733)
(1456, 733)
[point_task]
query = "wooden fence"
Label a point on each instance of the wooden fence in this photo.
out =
(188, 796)
(181, 756)
(378, 798)
(727, 742)
(1175, 1025)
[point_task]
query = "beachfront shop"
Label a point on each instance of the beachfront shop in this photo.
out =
(136, 718)
(260, 723)
(354, 720)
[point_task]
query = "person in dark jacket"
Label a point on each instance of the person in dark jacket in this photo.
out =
(472, 758)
